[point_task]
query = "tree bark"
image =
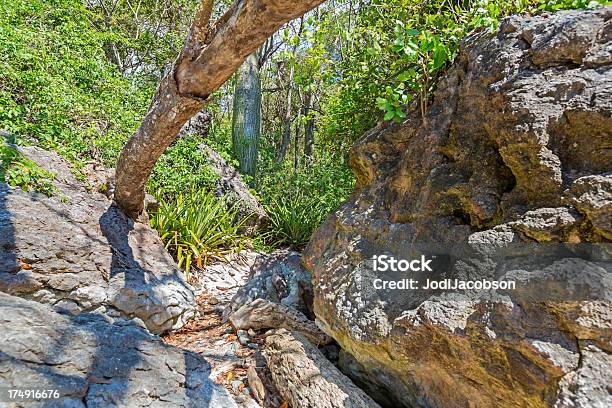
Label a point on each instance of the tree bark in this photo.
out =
(296, 146)
(305, 378)
(210, 55)
(284, 145)
(282, 151)
(246, 121)
(309, 127)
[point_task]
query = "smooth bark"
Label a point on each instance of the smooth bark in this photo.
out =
(210, 55)
(246, 120)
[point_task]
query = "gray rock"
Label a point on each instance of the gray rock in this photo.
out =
(278, 277)
(507, 177)
(231, 186)
(77, 247)
(96, 364)
(199, 124)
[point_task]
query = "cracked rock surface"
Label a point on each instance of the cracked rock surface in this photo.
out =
(93, 363)
(80, 253)
(508, 176)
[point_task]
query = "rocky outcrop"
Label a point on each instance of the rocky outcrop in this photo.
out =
(77, 251)
(230, 186)
(263, 314)
(278, 294)
(508, 177)
(199, 124)
(94, 363)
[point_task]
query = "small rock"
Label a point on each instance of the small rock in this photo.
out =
(68, 306)
(251, 332)
(138, 322)
(255, 384)
(100, 310)
(243, 338)
(213, 300)
(236, 386)
(252, 346)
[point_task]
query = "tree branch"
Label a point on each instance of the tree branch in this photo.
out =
(208, 58)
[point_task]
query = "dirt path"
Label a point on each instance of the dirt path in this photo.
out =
(229, 353)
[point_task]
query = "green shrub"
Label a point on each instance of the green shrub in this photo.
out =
(181, 168)
(293, 219)
(57, 88)
(197, 226)
(18, 171)
(299, 201)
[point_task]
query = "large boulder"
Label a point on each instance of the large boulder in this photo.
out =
(93, 363)
(77, 251)
(507, 177)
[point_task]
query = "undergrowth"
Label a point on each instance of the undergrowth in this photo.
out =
(18, 171)
(197, 227)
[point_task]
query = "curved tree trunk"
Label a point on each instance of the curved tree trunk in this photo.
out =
(246, 121)
(210, 55)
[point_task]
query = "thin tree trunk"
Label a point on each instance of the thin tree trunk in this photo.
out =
(296, 144)
(246, 122)
(282, 151)
(309, 127)
(208, 58)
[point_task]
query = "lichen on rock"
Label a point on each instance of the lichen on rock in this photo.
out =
(509, 168)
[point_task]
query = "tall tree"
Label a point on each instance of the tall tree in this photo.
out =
(246, 121)
(210, 55)
(284, 145)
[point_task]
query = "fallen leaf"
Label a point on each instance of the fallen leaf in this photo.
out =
(25, 265)
(285, 404)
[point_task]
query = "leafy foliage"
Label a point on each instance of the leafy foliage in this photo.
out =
(395, 50)
(197, 226)
(183, 167)
(293, 218)
(299, 200)
(18, 171)
(57, 89)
